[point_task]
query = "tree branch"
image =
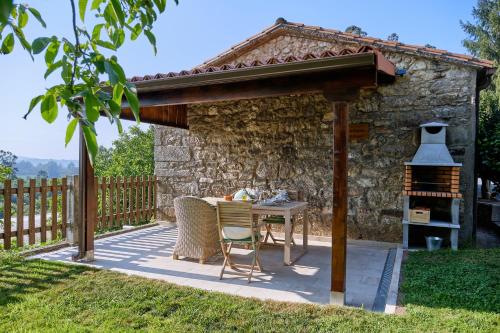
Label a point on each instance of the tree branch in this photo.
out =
(77, 45)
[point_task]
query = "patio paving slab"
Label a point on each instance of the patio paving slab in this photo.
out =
(148, 253)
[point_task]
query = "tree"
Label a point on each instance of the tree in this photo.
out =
(8, 164)
(354, 29)
(131, 155)
(42, 174)
(82, 60)
(394, 37)
(484, 42)
(5, 173)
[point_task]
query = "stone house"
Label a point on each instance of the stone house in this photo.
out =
(285, 142)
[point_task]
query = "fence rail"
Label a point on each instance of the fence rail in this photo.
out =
(36, 211)
(125, 200)
(48, 196)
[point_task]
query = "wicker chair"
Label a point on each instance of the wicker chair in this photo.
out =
(197, 229)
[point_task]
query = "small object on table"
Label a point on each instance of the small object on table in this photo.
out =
(228, 198)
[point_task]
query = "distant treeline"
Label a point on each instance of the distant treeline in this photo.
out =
(49, 169)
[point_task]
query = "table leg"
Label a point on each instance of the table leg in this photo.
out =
(305, 231)
(288, 238)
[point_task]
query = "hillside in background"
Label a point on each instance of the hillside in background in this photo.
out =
(50, 168)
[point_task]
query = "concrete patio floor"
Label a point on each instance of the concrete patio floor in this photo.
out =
(148, 253)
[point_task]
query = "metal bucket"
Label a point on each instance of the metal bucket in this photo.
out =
(433, 243)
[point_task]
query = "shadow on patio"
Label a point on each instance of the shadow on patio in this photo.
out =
(148, 253)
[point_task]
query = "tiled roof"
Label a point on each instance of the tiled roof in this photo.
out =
(282, 26)
(256, 63)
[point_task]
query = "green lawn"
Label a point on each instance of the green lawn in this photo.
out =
(443, 292)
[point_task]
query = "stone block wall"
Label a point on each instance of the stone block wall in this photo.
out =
(286, 142)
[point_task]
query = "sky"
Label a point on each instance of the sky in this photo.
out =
(192, 32)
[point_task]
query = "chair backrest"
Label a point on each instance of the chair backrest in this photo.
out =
(190, 210)
(234, 214)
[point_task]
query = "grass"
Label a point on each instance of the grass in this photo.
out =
(54, 297)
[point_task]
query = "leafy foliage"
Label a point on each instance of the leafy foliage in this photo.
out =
(7, 164)
(394, 37)
(130, 155)
(92, 83)
(354, 29)
(5, 173)
(484, 42)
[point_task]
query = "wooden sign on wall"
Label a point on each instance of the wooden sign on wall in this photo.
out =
(358, 132)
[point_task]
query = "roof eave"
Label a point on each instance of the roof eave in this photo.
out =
(266, 71)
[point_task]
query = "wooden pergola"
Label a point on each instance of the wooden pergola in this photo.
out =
(338, 76)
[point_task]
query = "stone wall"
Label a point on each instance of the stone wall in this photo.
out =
(286, 142)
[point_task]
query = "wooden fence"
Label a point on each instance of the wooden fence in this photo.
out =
(45, 206)
(51, 197)
(125, 200)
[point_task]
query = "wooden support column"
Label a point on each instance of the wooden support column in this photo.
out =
(340, 105)
(88, 205)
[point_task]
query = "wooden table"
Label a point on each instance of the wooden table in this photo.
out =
(287, 210)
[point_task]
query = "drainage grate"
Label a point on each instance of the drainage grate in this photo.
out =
(385, 282)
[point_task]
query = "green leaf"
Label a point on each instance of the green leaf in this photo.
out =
(70, 130)
(96, 32)
(118, 93)
(161, 4)
(133, 102)
(49, 108)
(115, 108)
(22, 19)
(8, 44)
(96, 4)
(119, 125)
(91, 142)
(51, 52)
(67, 70)
(110, 15)
(6, 7)
(82, 7)
(40, 44)
(52, 68)
(115, 72)
(36, 14)
(33, 103)
(119, 11)
(20, 36)
(92, 107)
(106, 44)
(152, 39)
(136, 31)
(118, 38)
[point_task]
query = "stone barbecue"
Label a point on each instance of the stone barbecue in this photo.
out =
(432, 172)
(432, 185)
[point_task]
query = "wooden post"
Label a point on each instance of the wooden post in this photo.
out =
(31, 216)
(73, 210)
(20, 213)
(340, 108)
(7, 195)
(55, 197)
(88, 205)
(339, 224)
(43, 210)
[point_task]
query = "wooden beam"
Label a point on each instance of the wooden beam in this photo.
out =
(167, 115)
(339, 223)
(88, 205)
(297, 84)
